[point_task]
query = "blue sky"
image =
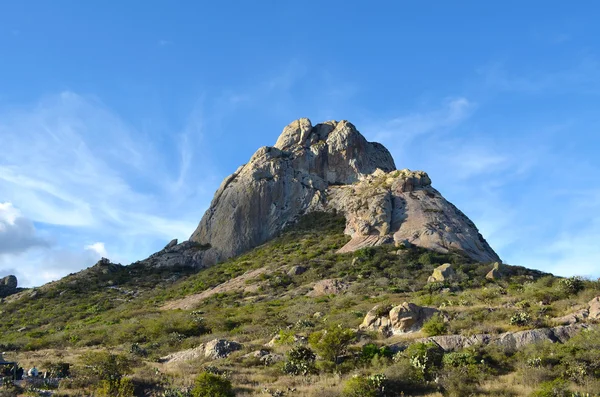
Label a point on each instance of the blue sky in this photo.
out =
(118, 120)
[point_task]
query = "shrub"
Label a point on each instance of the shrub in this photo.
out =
(332, 343)
(571, 285)
(211, 385)
(371, 350)
(124, 388)
(301, 361)
(520, 319)
(555, 388)
(435, 326)
(109, 369)
(425, 357)
(361, 386)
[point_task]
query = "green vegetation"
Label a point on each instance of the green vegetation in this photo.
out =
(110, 323)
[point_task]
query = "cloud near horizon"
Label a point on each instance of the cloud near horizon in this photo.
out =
(74, 169)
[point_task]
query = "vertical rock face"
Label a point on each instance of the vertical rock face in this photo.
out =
(327, 167)
(279, 183)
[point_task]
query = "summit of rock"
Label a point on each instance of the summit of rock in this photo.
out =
(328, 167)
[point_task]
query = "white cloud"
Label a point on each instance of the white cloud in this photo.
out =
(17, 234)
(98, 248)
(82, 174)
(405, 128)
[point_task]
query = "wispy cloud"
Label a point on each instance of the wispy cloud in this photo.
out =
(70, 163)
(406, 128)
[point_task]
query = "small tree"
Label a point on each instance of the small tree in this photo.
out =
(211, 385)
(109, 369)
(332, 343)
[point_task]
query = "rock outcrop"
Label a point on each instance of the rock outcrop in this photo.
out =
(8, 285)
(590, 313)
(402, 319)
(496, 272)
(325, 167)
(216, 348)
(511, 341)
(441, 273)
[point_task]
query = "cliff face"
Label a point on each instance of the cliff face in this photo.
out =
(327, 167)
(279, 183)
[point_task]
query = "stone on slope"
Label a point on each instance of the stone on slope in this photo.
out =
(401, 319)
(328, 287)
(441, 273)
(220, 348)
(495, 273)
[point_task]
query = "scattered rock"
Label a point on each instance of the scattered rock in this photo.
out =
(297, 270)
(441, 273)
(220, 348)
(328, 287)
(318, 315)
(402, 319)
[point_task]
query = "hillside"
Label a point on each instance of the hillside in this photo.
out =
(147, 315)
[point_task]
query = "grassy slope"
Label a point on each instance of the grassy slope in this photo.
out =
(114, 306)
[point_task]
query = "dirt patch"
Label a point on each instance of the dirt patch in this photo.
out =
(235, 284)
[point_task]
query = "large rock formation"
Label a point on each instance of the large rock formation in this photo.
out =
(8, 285)
(326, 167)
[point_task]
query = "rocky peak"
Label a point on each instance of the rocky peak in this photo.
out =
(326, 167)
(8, 285)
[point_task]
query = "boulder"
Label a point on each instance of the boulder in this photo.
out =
(296, 270)
(441, 273)
(9, 282)
(402, 319)
(328, 287)
(495, 273)
(220, 348)
(8, 286)
(271, 358)
(378, 319)
(409, 317)
(594, 308)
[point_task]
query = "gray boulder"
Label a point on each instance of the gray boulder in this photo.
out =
(220, 348)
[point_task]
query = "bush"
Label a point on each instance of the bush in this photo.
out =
(211, 385)
(109, 369)
(435, 326)
(301, 361)
(332, 343)
(371, 350)
(555, 388)
(520, 319)
(361, 386)
(425, 357)
(571, 285)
